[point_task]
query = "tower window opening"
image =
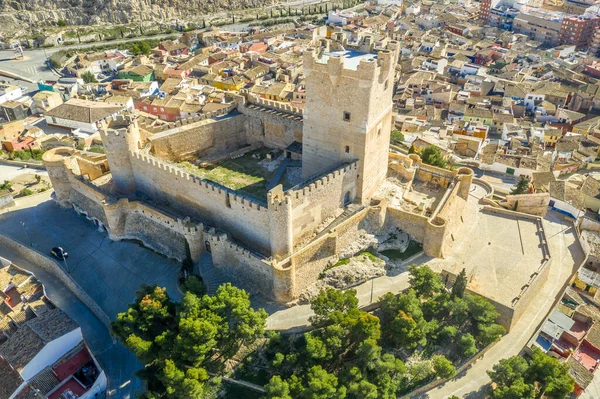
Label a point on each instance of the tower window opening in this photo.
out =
(347, 116)
(347, 149)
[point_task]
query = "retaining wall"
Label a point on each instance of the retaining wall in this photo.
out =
(41, 260)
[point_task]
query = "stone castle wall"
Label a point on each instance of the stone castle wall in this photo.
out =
(533, 204)
(321, 200)
(201, 138)
(270, 128)
(245, 268)
(245, 219)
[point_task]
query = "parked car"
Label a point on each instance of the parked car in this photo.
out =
(59, 253)
(24, 89)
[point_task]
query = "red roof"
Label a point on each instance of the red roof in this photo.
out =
(14, 298)
(69, 366)
(72, 385)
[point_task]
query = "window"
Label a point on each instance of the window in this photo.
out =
(347, 116)
(379, 132)
(347, 149)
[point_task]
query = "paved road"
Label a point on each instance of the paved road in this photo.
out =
(110, 272)
(567, 255)
(9, 172)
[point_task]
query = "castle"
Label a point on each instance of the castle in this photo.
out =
(163, 186)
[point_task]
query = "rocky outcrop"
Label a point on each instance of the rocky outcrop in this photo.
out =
(39, 13)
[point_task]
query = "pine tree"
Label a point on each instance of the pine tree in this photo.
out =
(458, 289)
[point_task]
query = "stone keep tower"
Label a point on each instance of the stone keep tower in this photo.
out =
(348, 113)
(120, 135)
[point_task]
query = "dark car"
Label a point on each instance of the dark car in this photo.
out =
(59, 253)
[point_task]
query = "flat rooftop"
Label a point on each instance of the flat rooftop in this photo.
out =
(500, 253)
(500, 256)
(351, 58)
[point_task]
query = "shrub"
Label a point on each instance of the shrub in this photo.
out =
(443, 367)
(396, 137)
(25, 192)
(194, 285)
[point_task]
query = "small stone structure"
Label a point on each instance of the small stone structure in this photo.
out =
(6, 199)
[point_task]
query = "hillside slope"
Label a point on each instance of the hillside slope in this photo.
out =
(37, 13)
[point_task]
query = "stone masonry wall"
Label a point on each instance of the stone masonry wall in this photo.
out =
(272, 129)
(321, 200)
(533, 204)
(243, 267)
(410, 223)
(247, 221)
(206, 137)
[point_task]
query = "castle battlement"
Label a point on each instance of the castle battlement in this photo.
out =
(222, 238)
(354, 64)
(310, 185)
(187, 121)
(233, 196)
(119, 125)
(275, 105)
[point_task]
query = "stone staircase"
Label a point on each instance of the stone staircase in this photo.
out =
(211, 276)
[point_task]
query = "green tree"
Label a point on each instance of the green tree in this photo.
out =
(522, 186)
(61, 23)
(147, 324)
(481, 310)
(396, 137)
(277, 388)
(443, 367)
(88, 77)
(508, 375)
(322, 385)
(194, 285)
(403, 320)
(144, 48)
(460, 284)
(424, 281)
(433, 156)
(466, 343)
(135, 50)
(332, 303)
(552, 374)
(180, 344)
(489, 333)
(420, 373)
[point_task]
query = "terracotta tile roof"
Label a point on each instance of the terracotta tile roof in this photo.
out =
(84, 110)
(582, 376)
(21, 347)
(591, 187)
(10, 379)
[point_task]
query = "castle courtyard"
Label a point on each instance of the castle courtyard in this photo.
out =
(251, 173)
